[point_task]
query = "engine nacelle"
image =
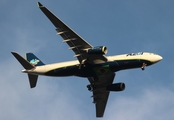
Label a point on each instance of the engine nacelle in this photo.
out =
(116, 87)
(98, 50)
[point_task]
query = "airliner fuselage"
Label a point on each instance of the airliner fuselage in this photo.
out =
(114, 64)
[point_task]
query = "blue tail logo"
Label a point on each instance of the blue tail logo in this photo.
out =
(34, 61)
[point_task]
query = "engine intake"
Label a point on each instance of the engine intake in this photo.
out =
(116, 87)
(98, 50)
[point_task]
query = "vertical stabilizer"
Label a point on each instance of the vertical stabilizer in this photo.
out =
(33, 59)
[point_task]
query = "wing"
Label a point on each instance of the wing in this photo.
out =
(75, 42)
(100, 94)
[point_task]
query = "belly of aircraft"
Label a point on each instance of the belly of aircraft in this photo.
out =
(71, 71)
(84, 70)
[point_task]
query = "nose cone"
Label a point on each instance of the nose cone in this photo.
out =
(157, 58)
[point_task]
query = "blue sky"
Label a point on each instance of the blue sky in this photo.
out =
(122, 26)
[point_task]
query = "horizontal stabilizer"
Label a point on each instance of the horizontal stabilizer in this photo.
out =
(32, 80)
(23, 62)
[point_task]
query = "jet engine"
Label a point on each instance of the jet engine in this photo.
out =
(116, 87)
(98, 50)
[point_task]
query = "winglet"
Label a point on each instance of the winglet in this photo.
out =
(39, 4)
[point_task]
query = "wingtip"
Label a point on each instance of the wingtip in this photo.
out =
(13, 53)
(39, 4)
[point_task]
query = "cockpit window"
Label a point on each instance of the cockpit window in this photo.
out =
(153, 53)
(135, 54)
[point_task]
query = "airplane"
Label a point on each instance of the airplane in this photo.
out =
(92, 64)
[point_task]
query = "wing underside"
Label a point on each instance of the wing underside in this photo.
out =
(75, 42)
(100, 94)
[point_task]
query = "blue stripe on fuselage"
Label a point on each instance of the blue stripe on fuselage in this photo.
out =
(83, 71)
(128, 64)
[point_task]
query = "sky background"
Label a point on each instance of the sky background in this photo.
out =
(123, 26)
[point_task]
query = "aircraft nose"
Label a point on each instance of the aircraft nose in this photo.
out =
(157, 58)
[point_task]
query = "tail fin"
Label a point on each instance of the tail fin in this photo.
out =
(33, 59)
(27, 66)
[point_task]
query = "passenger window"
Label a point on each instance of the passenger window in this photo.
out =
(134, 54)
